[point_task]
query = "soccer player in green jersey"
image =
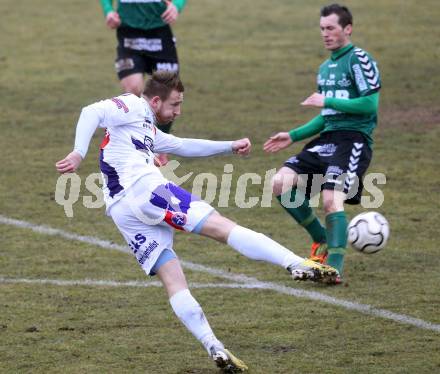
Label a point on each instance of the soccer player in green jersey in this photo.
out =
(145, 42)
(348, 95)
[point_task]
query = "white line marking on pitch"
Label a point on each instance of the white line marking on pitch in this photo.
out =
(112, 283)
(249, 282)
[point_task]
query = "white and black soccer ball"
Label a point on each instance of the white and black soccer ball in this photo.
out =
(368, 232)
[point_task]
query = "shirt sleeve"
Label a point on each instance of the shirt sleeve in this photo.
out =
(180, 4)
(313, 127)
(360, 105)
(88, 122)
(106, 6)
(185, 147)
(365, 73)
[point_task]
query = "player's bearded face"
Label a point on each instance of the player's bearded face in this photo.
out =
(169, 109)
(333, 34)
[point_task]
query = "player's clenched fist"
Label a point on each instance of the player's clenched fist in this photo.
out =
(242, 146)
(70, 163)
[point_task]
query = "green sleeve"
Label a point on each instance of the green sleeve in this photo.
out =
(107, 6)
(313, 127)
(360, 105)
(180, 4)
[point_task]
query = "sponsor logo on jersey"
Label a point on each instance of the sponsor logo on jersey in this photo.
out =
(360, 80)
(333, 65)
(148, 123)
(344, 82)
(120, 104)
(320, 80)
(331, 80)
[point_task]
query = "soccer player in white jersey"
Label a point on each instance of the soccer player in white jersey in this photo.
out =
(147, 208)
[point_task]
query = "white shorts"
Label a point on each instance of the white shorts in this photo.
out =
(150, 211)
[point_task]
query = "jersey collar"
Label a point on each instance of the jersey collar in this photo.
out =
(340, 52)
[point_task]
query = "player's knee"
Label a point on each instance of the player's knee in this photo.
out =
(282, 183)
(333, 201)
(330, 205)
(277, 184)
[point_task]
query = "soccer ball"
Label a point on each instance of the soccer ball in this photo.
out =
(368, 232)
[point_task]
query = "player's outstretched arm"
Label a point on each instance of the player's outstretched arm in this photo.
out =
(282, 140)
(70, 163)
(277, 142)
(242, 147)
(186, 147)
(87, 124)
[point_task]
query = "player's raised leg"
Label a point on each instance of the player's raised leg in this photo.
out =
(259, 247)
(191, 314)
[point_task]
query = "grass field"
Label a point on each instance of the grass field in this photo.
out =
(69, 304)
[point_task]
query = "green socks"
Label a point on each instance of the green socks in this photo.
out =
(303, 214)
(336, 224)
(335, 235)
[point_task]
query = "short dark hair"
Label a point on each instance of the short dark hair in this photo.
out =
(162, 83)
(343, 13)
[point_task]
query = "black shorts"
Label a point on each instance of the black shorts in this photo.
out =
(145, 51)
(336, 160)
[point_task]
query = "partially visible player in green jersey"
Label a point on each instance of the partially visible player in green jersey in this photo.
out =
(143, 14)
(348, 95)
(145, 42)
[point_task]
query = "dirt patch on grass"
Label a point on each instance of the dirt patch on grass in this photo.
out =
(411, 118)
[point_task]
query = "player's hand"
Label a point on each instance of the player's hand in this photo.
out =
(277, 142)
(316, 100)
(70, 163)
(112, 20)
(242, 147)
(171, 13)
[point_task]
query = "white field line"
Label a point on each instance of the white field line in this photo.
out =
(112, 283)
(248, 282)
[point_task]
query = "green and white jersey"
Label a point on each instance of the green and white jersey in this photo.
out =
(140, 14)
(348, 74)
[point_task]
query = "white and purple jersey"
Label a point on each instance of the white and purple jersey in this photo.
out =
(127, 151)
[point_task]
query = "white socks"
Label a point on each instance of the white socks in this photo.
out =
(188, 310)
(261, 248)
